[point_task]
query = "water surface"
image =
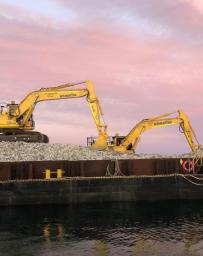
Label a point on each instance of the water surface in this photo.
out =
(164, 228)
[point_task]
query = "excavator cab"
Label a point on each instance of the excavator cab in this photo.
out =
(111, 140)
(12, 107)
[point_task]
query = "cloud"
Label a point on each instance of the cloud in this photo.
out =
(158, 18)
(198, 5)
(135, 76)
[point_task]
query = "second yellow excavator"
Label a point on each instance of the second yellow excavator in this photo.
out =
(16, 120)
(128, 144)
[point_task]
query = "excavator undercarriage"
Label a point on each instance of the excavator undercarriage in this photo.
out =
(25, 136)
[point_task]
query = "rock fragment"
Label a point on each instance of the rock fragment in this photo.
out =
(21, 151)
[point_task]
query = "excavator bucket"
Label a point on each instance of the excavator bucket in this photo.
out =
(100, 143)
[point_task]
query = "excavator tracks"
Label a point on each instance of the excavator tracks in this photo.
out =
(25, 136)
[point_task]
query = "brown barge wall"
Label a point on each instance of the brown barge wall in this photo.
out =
(24, 183)
(90, 168)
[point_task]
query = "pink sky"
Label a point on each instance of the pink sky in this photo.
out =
(144, 57)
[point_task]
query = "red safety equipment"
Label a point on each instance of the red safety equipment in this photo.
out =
(188, 166)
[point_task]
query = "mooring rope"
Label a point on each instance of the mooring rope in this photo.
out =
(194, 183)
(196, 177)
(117, 170)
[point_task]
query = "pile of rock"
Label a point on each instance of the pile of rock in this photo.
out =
(21, 151)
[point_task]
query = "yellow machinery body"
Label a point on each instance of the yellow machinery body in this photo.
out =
(16, 120)
(129, 143)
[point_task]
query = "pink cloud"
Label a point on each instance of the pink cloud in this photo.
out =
(198, 5)
(135, 77)
(180, 16)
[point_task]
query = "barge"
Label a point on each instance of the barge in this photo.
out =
(93, 181)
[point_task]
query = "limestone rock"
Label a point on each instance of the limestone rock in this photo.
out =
(21, 151)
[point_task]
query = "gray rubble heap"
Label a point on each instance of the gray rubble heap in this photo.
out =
(21, 151)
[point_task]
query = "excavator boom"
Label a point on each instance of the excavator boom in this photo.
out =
(17, 120)
(129, 143)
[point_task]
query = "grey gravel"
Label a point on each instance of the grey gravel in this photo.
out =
(21, 151)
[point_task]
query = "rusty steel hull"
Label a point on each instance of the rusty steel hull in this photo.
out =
(24, 183)
(89, 168)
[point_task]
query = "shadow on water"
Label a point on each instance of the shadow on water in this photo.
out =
(161, 228)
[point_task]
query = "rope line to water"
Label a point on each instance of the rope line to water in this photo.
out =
(194, 183)
(117, 170)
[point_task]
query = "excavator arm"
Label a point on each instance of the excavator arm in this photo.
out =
(97, 113)
(27, 106)
(21, 117)
(130, 142)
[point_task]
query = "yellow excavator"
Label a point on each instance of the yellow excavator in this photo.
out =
(128, 144)
(16, 120)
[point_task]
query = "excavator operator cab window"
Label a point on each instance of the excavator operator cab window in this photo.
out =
(117, 140)
(12, 108)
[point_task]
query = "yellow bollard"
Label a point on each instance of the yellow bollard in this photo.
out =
(59, 173)
(47, 174)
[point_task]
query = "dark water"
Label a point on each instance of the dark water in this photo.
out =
(104, 229)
